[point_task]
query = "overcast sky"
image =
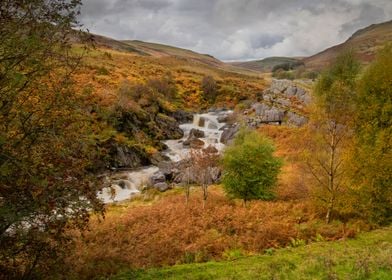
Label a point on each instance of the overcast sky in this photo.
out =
(235, 29)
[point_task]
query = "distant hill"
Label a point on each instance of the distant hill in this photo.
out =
(265, 65)
(365, 43)
(154, 50)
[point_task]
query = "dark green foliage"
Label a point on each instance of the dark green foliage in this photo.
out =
(287, 66)
(250, 168)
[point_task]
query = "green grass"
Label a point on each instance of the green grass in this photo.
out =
(369, 256)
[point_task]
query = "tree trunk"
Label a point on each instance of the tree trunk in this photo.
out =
(329, 210)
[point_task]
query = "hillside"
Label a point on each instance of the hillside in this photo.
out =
(140, 92)
(366, 257)
(364, 42)
(266, 64)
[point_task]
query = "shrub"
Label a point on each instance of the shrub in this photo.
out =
(250, 168)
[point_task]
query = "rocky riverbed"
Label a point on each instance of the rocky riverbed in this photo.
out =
(208, 132)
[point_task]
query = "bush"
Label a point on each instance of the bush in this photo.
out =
(250, 168)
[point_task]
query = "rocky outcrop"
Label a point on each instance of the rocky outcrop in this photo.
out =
(285, 89)
(123, 156)
(280, 104)
(182, 116)
(168, 127)
(295, 119)
(268, 113)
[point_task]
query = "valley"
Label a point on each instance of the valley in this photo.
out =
(131, 159)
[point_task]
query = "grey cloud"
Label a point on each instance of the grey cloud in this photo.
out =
(235, 29)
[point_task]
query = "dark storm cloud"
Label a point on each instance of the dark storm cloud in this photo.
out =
(235, 29)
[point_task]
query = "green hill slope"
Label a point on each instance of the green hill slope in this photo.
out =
(369, 256)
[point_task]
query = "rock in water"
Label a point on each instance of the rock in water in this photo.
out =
(193, 142)
(196, 133)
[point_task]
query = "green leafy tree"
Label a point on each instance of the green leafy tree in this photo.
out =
(250, 169)
(329, 132)
(45, 145)
(372, 157)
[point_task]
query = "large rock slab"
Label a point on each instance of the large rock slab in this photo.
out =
(229, 132)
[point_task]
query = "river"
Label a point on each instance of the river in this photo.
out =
(125, 184)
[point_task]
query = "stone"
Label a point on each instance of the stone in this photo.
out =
(210, 150)
(157, 177)
(193, 142)
(283, 102)
(182, 116)
(223, 118)
(196, 133)
(212, 125)
(162, 186)
(229, 131)
(295, 119)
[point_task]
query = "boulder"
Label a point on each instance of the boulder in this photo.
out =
(168, 127)
(283, 102)
(162, 186)
(157, 177)
(196, 133)
(212, 125)
(295, 119)
(124, 156)
(182, 116)
(210, 150)
(223, 118)
(193, 142)
(229, 132)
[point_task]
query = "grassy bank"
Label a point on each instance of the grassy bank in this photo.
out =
(369, 256)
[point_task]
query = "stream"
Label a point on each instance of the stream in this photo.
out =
(125, 184)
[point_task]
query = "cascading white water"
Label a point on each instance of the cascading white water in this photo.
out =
(125, 184)
(208, 123)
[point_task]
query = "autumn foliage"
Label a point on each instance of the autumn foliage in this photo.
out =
(170, 231)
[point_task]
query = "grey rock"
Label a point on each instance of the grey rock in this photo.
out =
(157, 177)
(295, 119)
(283, 102)
(229, 131)
(212, 125)
(162, 186)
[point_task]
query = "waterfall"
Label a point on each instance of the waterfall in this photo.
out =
(126, 184)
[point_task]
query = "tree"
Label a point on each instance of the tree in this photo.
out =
(372, 156)
(45, 146)
(250, 168)
(204, 168)
(201, 167)
(330, 131)
(209, 88)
